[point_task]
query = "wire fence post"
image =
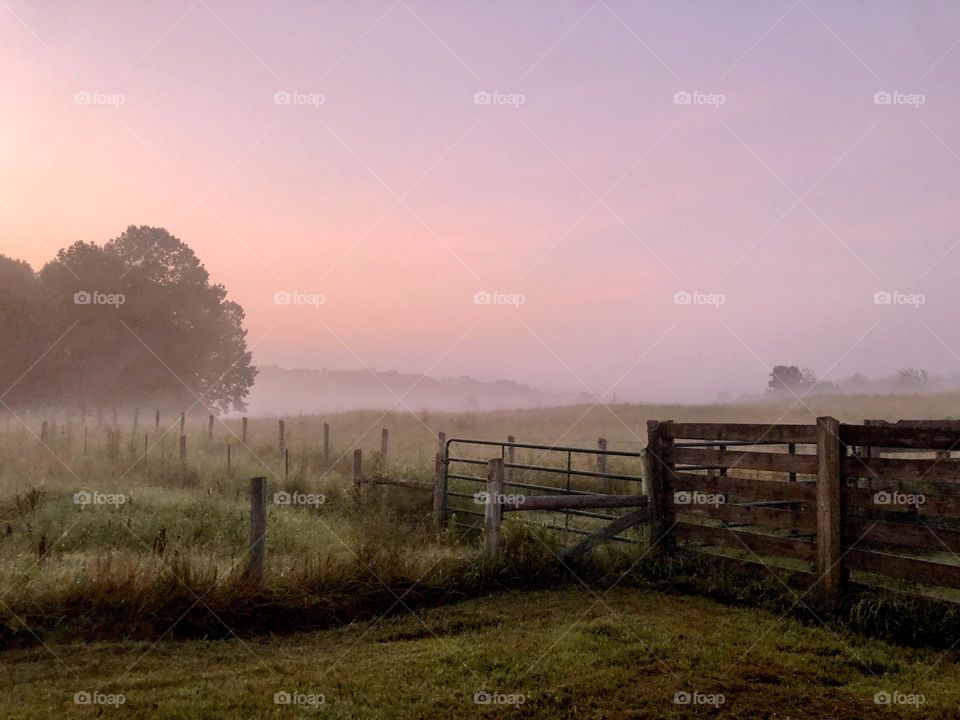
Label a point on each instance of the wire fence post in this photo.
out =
(258, 530)
(493, 511)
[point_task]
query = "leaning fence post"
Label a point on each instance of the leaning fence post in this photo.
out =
(357, 470)
(439, 493)
(829, 511)
(601, 457)
(493, 511)
(258, 529)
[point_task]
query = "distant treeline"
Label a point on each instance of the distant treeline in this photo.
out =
(132, 322)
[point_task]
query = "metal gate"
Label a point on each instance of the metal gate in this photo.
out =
(555, 470)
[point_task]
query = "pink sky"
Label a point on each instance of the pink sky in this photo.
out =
(596, 199)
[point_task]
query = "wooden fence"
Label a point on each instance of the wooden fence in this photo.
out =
(823, 495)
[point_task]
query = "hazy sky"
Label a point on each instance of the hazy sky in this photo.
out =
(783, 196)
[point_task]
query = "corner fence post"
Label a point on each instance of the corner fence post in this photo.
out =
(655, 472)
(493, 510)
(829, 510)
(440, 493)
(258, 529)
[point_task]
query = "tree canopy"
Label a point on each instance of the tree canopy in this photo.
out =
(135, 321)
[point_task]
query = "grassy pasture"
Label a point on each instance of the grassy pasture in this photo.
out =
(166, 564)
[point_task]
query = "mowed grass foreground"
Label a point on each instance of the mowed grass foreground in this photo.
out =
(569, 654)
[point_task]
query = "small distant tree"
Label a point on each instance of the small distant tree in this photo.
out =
(790, 378)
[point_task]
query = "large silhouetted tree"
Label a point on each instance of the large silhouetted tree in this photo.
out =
(135, 321)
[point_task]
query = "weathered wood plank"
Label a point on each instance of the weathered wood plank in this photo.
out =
(614, 528)
(744, 460)
(750, 432)
(932, 470)
(741, 489)
(893, 436)
(755, 542)
(858, 532)
(907, 568)
(749, 515)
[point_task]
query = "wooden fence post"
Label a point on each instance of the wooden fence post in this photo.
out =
(243, 430)
(829, 510)
(258, 529)
(183, 422)
(136, 420)
(655, 473)
(384, 444)
(281, 435)
(357, 470)
(183, 449)
(209, 427)
(114, 410)
(84, 439)
(156, 422)
(228, 458)
(442, 444)
(440, 492)
(43, 432)
(326, 443)
(601, 458)
(146, 448)
(493, 511)
(510, 457)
